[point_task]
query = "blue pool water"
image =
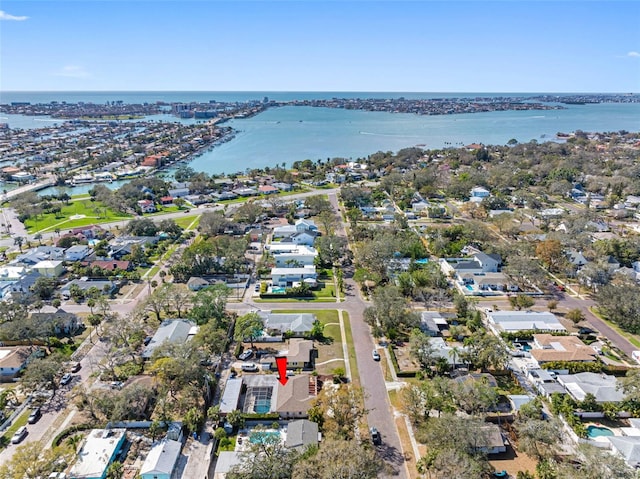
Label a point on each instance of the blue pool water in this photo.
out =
(278, 290)
(526, 347)
(262, 406)
(469, 287)
(422, 261)
(598, 431)
(263, 436)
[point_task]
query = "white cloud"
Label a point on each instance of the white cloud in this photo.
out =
(72, 71)
(7, 16)
(633, 54)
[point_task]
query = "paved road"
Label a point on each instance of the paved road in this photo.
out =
(371, 375)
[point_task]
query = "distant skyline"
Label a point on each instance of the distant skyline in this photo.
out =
(314, 45)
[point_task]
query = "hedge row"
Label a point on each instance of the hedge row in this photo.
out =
(69, 431)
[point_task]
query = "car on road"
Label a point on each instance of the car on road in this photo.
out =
(19, 435)
(246, 354)
(376, 438)
(75, 367)
(34, 416)
(257, 288)
(66, 379)
(117, 384)
(376, 355)
(250, 367)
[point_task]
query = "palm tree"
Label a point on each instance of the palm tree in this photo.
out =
(18, 241)
(454, 353)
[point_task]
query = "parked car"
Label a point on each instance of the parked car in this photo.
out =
(19, 435)
(246, 354)
(75, 367)
(34, 416)
(117, 384)
(147, 340)
(376, 438)
(250, 367)
(66, 379)
(376, 355)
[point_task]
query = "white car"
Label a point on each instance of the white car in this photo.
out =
(250, 367)
(376, 355)
(19, 435)
(66, 379)
(246, 354)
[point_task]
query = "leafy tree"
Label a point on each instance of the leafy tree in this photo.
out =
(141, 227)
(266, 457)
(44, 287)
(575, 315)
(249, 212)
(336, 459)
(248, 327)
(213, 223)
(43, 373)
(551, 254)
(538, 437)
(422, 350)
(33, 460)
(210, 304)
(390, 312)
(342, 409)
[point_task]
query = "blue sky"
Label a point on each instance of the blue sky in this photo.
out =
(216, 45)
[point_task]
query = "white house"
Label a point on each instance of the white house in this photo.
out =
(603, 386)
(99, 450)
(302, 238)
(77, 252)
(161, 460)
(301, 255)
(513, 321)
(147, 206)
(285, 277)
(299, 226)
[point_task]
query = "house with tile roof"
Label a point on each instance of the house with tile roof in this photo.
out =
(547, 348)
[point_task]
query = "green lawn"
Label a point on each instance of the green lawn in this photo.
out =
(20, 421)
(187, 220)
(632, 338)
(325, 316)
(92, 212)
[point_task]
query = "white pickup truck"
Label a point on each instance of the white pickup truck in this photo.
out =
(636, 356)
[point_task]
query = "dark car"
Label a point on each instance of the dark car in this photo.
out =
(75, 367)
(586, 331)
(376, 438)
(34, 416)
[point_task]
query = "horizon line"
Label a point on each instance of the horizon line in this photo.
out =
(316, 91)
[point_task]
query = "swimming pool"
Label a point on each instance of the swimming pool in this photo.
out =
(279, 290)
(469, 287)
(262, 406)
(263, 437)
(598, 431)
(422, 261)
